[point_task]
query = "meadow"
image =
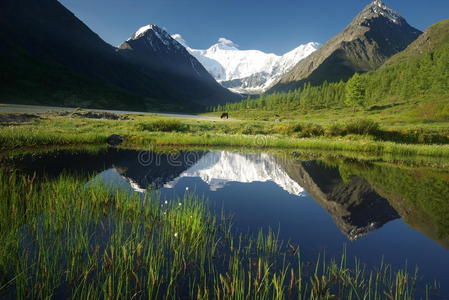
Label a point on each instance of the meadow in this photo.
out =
(353, 133)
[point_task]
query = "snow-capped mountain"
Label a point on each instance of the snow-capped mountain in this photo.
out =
(157, 48)
(246, 71)
(217, 168)
(156, 53)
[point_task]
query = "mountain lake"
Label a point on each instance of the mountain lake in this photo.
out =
(374, 210)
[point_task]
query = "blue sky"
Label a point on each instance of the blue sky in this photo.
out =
(272, 26)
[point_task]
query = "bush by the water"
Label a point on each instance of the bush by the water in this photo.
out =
(363, 127)
(359, 127)
(299, 129)
(164, 125)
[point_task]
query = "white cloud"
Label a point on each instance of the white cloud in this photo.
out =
(179, 39)
(227, 42)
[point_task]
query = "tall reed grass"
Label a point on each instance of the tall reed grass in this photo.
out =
(66, 239)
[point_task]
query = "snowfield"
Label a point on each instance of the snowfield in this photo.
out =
(241, 71)
(246, 71)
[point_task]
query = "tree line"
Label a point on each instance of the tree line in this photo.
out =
(427, 74)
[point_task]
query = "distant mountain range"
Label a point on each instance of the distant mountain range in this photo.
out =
(50, 57)
(246, 71)
(154, 51)
(373, 36)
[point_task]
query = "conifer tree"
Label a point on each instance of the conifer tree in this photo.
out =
(355, 91)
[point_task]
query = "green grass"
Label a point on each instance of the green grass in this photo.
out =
(163, 125)
(261, 142)
(14, 137)
(345, 135)
(62, 239)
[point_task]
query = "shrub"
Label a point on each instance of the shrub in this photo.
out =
(336, 130)
(287, 129)
(311, 130)
(416, 136)
(300, 130)
(363, 127)
(251, 129)
(421, 137)
(164, 125)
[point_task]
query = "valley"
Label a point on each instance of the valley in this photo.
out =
(159, 169)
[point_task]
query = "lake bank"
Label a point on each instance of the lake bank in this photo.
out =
(142, 130)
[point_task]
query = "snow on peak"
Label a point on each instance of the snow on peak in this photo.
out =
(379, 8)
(143, 29)
(379, 3)
(252, 71)
(151, 31)
(159, 32)
(177, 37)
(248, 71)
(228, 44)
(218, 168)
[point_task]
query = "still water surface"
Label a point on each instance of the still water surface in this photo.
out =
(376, 210)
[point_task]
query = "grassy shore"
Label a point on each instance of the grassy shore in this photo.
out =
(62, 238)
(355, 135)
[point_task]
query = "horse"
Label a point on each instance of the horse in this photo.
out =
(224, 115)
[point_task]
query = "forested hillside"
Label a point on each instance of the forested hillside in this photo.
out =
(420, 71)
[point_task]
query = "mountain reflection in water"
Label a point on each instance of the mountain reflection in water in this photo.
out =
(354, 206)
(382, 210)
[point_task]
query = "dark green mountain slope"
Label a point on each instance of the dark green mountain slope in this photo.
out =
(153, 50)
(53, 54)
(25, 79)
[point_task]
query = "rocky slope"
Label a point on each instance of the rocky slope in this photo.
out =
(373, 36)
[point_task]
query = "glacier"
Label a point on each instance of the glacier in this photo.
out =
(246, 71)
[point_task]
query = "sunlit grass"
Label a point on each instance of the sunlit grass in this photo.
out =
(357, 135)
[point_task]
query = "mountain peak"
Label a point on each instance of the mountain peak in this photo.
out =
(377, 8)
(374, 35)
(378, 3)
(152, 29)
(224, 44)
(142, 30)
(247, 71)
(155, 36)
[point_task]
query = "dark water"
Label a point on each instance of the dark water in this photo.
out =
(376, 210)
